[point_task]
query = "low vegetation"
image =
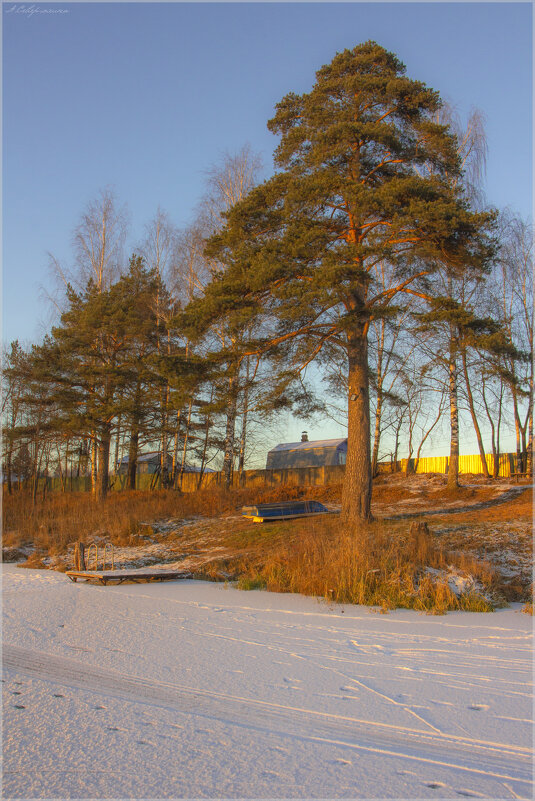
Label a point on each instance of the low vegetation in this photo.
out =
(450, 562)
(380, 564)
(63, 518)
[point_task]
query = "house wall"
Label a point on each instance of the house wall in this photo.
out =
(299, 458)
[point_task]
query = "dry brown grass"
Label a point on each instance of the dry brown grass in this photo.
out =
(63, 518)
(381, 564)
(378, 564)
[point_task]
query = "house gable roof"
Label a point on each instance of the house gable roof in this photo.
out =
(309, 445)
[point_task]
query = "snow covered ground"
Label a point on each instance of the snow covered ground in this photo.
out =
(191, 690)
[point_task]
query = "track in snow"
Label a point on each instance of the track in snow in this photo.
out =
(490, 759)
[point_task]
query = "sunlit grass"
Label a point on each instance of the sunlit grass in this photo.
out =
(379, 564)
(385, 564)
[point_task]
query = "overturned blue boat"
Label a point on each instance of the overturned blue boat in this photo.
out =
(287, 510)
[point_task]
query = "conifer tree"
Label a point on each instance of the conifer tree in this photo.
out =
(102, 363)
(12, 390)
(364, 174)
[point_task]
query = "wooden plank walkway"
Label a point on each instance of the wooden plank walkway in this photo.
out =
(119, 576)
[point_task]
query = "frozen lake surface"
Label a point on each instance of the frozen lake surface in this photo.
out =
(195, 690)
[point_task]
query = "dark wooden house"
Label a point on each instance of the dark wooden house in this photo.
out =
(315, 453)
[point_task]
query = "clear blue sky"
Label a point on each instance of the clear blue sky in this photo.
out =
(144, 97)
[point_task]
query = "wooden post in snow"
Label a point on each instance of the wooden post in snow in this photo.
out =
(79, 556)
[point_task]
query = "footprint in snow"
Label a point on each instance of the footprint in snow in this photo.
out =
(468, 794)
(341, 761)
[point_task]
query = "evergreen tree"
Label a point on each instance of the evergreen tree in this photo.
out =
(12, 407)
(365, 174)
(102, 362)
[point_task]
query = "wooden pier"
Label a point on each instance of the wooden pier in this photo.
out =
(119, 576)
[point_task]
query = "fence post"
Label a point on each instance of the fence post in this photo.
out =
(79, 556)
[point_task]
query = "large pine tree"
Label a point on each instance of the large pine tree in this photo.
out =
(365, 173)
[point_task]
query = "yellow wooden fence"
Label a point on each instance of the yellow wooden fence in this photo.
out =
(467, 464)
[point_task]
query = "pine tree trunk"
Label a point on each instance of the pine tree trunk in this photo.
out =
(174, 466)
(243, 434)
(62, 473)
(185, 448)
(103, 463)
(132, 456)
(164, 402)
(45, 471)
(117, 444)
(228, 461)
(357, 490)
(203, 457)
(9, 459)
(134, 439)
(36, 467)
(66, 464)
(35, 484)
(453, 467)
(94, 467)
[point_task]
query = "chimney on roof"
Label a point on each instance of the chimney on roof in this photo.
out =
(304, 436)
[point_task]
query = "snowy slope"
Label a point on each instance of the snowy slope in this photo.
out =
(191, 690)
